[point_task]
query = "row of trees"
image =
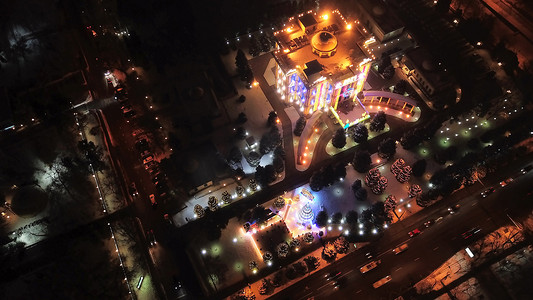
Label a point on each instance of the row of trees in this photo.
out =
(327, 176)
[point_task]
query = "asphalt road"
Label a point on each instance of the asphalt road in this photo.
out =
(426, 251)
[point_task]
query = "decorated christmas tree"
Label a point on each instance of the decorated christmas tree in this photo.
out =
(390, 203)
(239, 190)
(309, 237)
(372, 177)
(306, 214)
(267, 256)
(295, 244)
(253, 185)
(414, 190)
(212, 203)
(282, 249)
(401, 171)
(199, 211)
(226, 197)
(380, 186)
(279, 203)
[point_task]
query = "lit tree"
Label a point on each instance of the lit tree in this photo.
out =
(329, 252)
(252, 265)
(390, 203)
(279, 203)
(339, 139)
(253, 185)
(372, 177)
(267, 256)
(282, 250)
(308, 237)
(295, 244)
(212, 203)
(414, 190)
(199, 211)
(378, 122)
(341, 245)
(401, 170)
(380, 186)
(254, 158)
(360, 133)
(226, 197)
(239, 190)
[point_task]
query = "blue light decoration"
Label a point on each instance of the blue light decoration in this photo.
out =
(329, 93)
(348, 92)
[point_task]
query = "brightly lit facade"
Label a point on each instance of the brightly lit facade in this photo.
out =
(320, 62)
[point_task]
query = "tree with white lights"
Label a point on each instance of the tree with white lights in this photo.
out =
(267, 256)
(253, 185)
(279, 203)
(226, 197)
(199, 211)
(295, 244)
(239, 190)
(282, 250)
(252, 265)
(212, 203)
(308, 237)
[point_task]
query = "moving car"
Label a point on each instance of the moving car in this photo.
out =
(400, 249)
(133, 190)
(526, 169)
(429, 223)
(152, 200)
(371, 265)
(454, 209)
(414, 232)
(333, 275)
(151, 237)
(470, 233)
(506, 182)
(382, 281)
(487, 192)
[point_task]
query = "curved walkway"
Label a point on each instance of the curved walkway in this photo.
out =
(392, 104)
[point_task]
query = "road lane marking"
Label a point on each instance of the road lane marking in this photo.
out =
(417, 258)
(398, 269)
(348, 272)
(435, 248)
(358, 291)
(474, 204)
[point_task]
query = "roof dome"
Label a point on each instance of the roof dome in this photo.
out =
(324, 43)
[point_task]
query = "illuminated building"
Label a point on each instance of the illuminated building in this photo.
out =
(321, 63)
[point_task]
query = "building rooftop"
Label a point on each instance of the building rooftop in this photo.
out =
(424, 62)
(328, 32)
(382, 15)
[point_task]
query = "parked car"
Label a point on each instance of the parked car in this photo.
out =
(414, 232)
(150, 164)
(152, 200)
(487, 192)
(158, 177)
(400, 249)
(148, 159)
(453, 209)
(506, 182)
